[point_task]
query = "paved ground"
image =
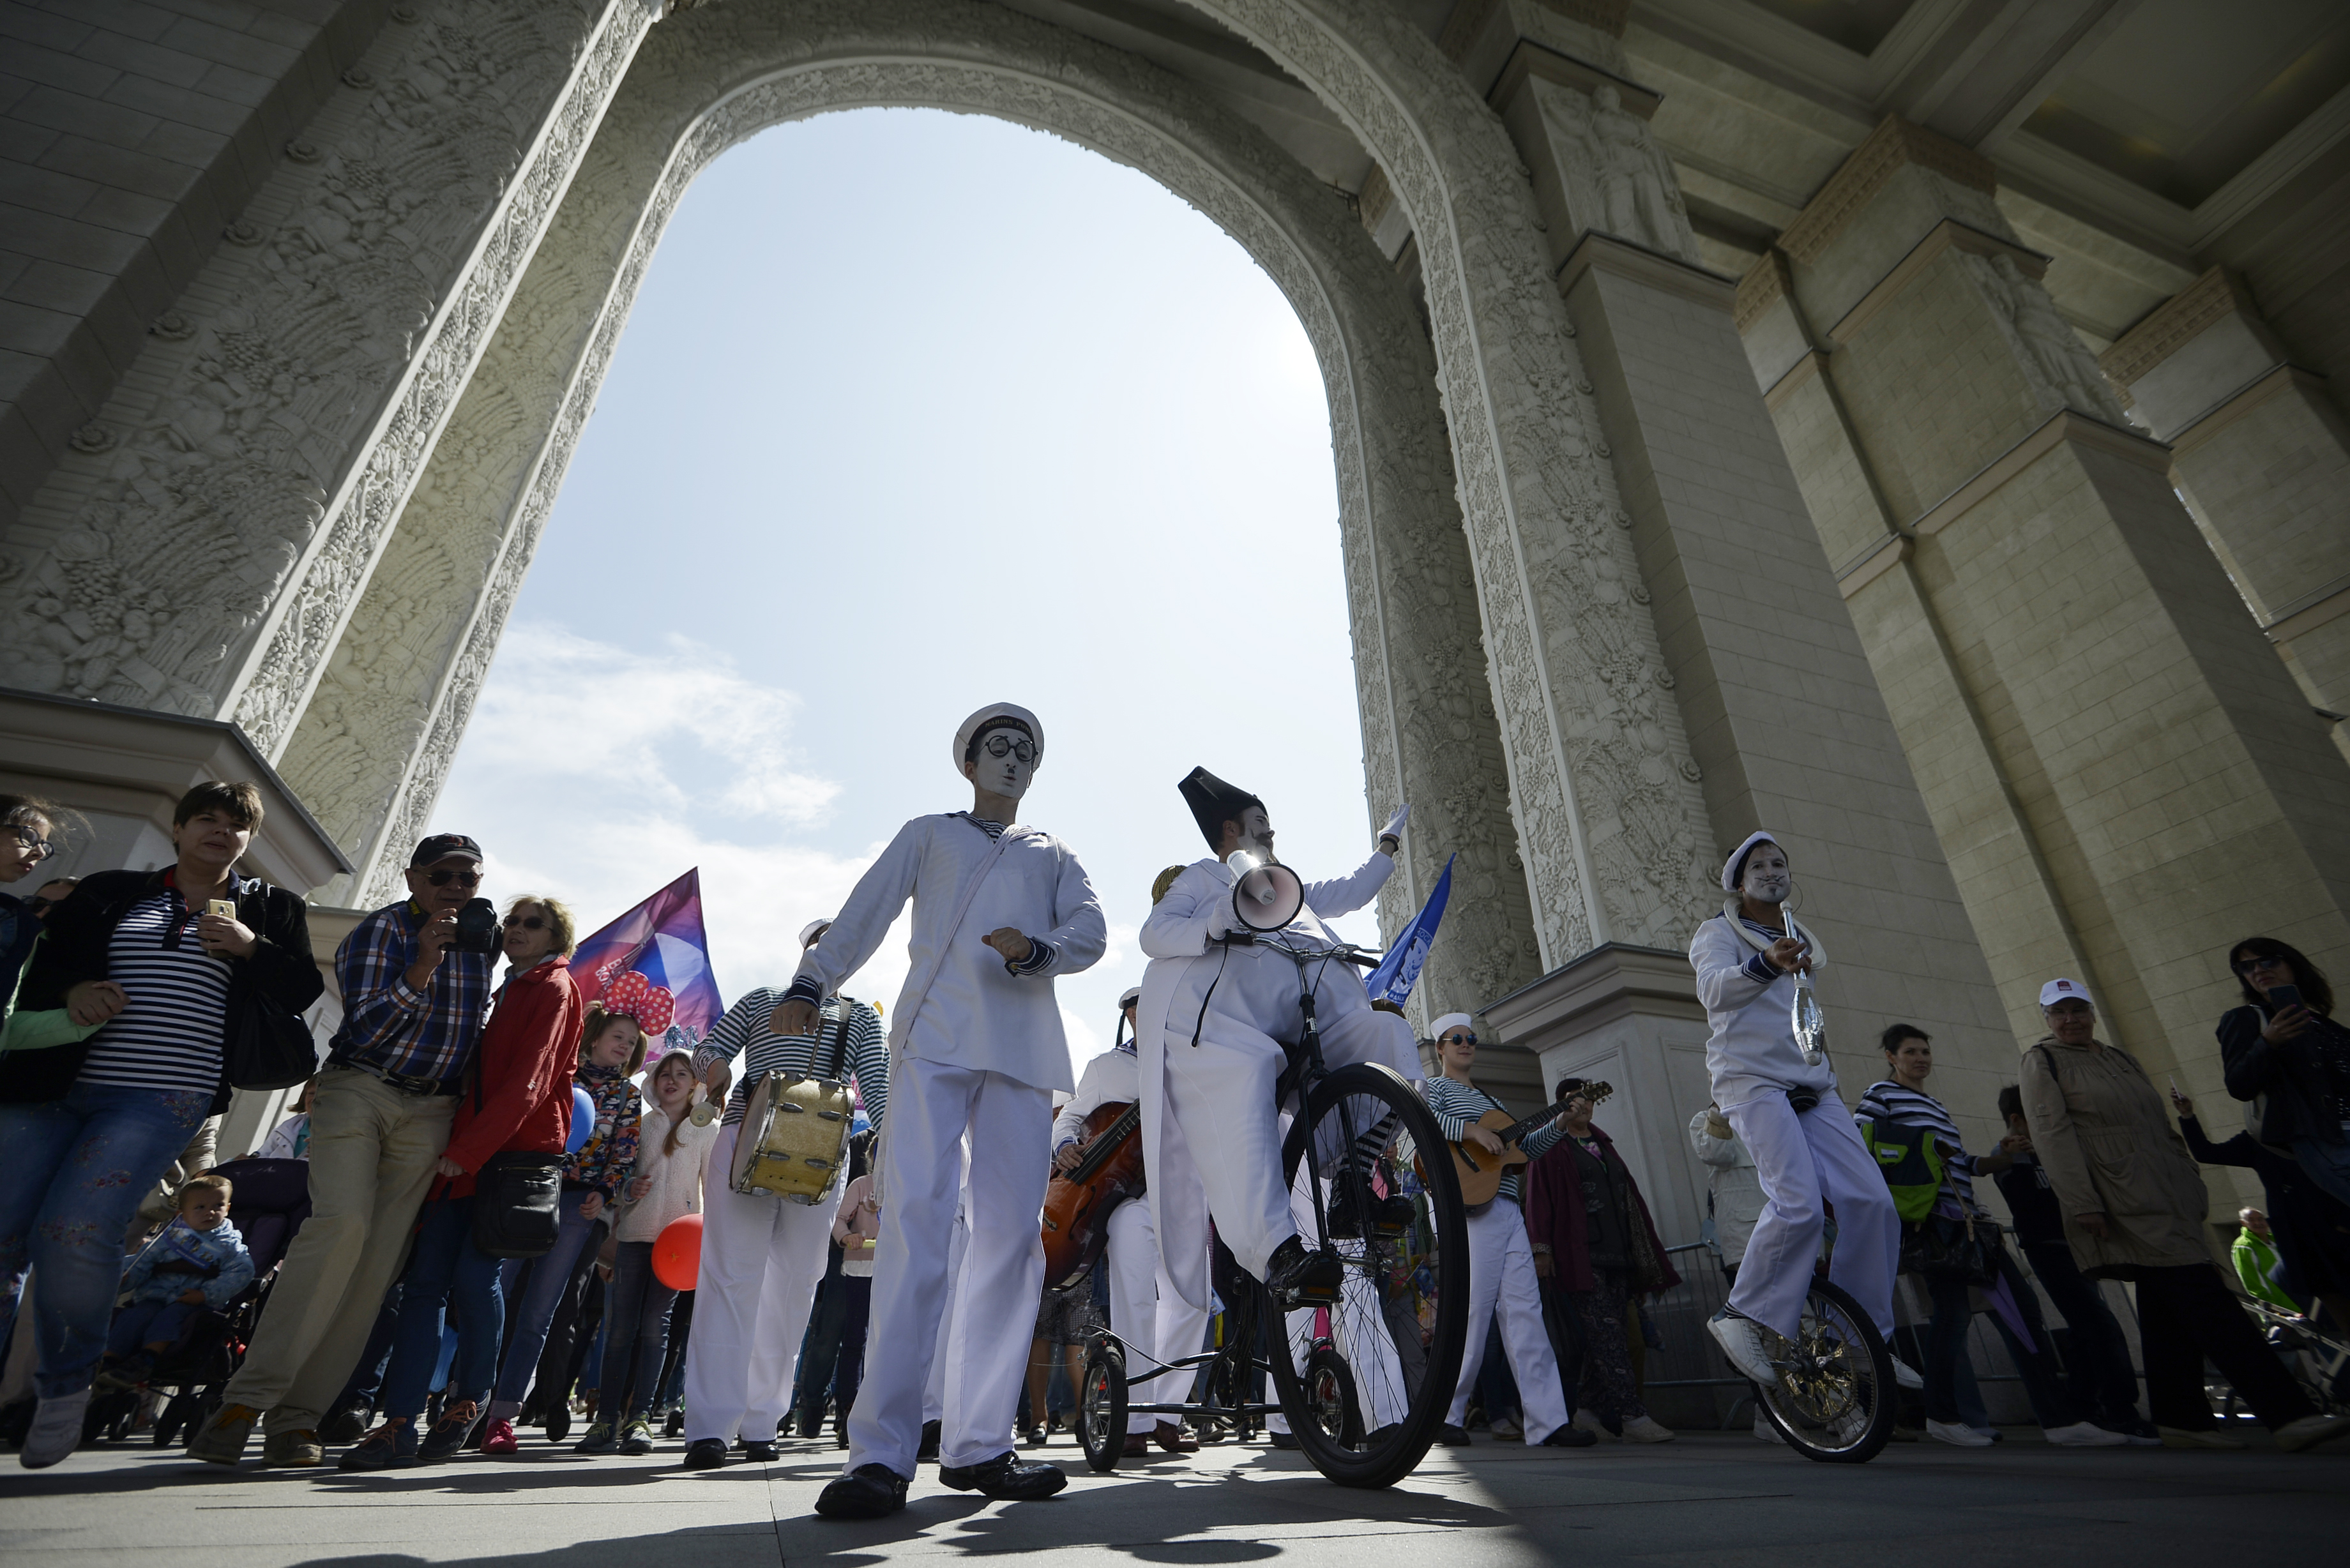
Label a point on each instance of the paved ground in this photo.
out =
(1707, 1501)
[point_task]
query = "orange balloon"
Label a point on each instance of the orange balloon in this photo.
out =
(677, 1252)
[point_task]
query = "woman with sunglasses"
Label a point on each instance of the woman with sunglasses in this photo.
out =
(520, 1101)
(2285, 1046)
(169, 962)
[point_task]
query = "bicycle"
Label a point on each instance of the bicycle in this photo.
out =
(1365, 1377)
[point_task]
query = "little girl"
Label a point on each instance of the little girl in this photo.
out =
(612, 1048)
(667, 1186)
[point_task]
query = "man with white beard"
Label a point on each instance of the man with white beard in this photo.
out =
(976, 1049)
(1808, 1155)
(1213, 1015)
(1150, 1316)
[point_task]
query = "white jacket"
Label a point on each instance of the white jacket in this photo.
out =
(1733, 1188)
(961, 1006)
(1112, 1078)
(677, 1178)
(1751, 1051)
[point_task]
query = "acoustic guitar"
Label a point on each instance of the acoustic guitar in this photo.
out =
(1481, 1173)
(1077, 1202)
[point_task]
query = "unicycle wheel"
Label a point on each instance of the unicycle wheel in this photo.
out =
(1835, 1399)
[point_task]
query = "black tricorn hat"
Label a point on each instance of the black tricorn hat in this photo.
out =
(1215, 803)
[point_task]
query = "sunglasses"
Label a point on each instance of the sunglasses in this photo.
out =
(1458, 1039)
(463, 878)
(2267, 960)
(527, 922)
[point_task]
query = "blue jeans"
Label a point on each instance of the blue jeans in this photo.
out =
(155, 1321)
(445, 1271)
(635, 1327)
(2326, 1163)
(77, 1169)
(549, 1276)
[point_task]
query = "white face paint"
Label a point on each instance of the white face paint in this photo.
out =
(1010, 774)
(1766, 880)
(1256, 835)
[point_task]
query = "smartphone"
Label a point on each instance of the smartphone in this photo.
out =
(2284, 996)
(224, 907)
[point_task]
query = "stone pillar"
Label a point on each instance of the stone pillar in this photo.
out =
(1786, 729)
(2127, 779)
(2262, 457)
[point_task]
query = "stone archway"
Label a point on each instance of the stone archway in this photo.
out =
(374, 741)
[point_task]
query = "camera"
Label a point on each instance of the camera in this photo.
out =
(477, 928)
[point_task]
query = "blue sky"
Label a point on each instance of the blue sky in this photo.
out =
(918, 411)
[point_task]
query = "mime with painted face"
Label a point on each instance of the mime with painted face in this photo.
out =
(976, 1049)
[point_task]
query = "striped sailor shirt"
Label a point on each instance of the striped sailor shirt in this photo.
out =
(168, 1037)
(865, 1054)
(1888, 1101)
(1456, 1104)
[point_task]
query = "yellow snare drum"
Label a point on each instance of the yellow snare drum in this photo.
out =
(793, 1137)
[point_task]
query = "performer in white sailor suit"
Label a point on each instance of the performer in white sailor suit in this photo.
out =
(1150, 1316)
(762, 1255)
(977, 1049)
(1807, 1152)
(1211, 1024)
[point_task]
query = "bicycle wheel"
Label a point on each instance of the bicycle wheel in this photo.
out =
(1101, 1406)
(1834, 1402)
(1393, 1340)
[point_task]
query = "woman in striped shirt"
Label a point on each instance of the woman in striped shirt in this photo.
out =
(89, 1126)
(1902, 1100)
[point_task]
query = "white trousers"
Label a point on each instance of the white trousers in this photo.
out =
(762, 1257)
(1805, 1162)
(934, 1386)
(1219, 1093)
(1502, 1279)
(1151, 1320)
(932, 1106)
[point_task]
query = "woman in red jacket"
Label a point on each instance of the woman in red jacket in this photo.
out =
(521, 1102)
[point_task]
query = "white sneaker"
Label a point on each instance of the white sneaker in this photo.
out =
(1906, 1376)
(1741, 1339)
(2084, 1435)
(1957, 1434)
(56, 1430)
(1586, 1421)
(1505, 1427)
(1765, 1430)
(1646, 1429)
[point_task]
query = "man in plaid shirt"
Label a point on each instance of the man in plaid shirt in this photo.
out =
(413, 1008)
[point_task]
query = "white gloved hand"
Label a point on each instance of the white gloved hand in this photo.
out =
(1394, 829)
(1221, 918)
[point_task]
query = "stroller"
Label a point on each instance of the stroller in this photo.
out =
(272, 1199)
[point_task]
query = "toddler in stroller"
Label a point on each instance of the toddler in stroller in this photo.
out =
(185, 1329)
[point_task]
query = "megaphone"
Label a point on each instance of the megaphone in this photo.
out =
(1266, 895)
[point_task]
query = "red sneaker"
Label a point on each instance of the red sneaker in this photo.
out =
(501, 1438)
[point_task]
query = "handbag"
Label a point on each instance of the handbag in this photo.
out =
(516, 1202)
(270, 1047)
(1941, 1247)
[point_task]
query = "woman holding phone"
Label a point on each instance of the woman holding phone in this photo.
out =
(2283, 1043)
(168, 961)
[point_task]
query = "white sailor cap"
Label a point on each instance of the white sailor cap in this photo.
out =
(1132, 995)
(1009, 715)
(813, 930)
(1737, 861)
(2057, 991)
(1453, 1021)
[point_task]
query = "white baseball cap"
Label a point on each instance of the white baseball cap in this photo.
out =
(2057, 991)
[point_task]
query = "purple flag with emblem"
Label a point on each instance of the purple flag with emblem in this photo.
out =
(662, 940)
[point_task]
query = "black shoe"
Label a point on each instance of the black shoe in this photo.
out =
(869, 1491)
(344, 1424)
(1390, 1216)
(1453, 1436)
(1281, 1440)
(388, 1447)
(1296, 1277)
(1004, 1478)
(705, 1454)
(929, 1446)
(673, 1424)
(448, 1433)
(759, 1453)
(1571, 1436)
(558, 1423)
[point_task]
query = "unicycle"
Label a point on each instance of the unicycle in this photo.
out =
(1836, 1398)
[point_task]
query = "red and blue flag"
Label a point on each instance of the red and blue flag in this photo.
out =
(662, 940)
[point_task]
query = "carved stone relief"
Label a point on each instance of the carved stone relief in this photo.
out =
(1620, 182)
(199, 552)
(2058, 364)
(1429, 724)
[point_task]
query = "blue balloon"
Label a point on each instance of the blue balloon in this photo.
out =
(583, 1119)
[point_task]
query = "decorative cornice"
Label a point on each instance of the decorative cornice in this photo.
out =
(2064, 426)
(1533, 59)
(1609, 253)
(1764, 284)
(1948, 235)
(1866, 171)
(2174, 324)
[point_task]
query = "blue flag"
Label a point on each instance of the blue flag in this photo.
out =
(1399, 971)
